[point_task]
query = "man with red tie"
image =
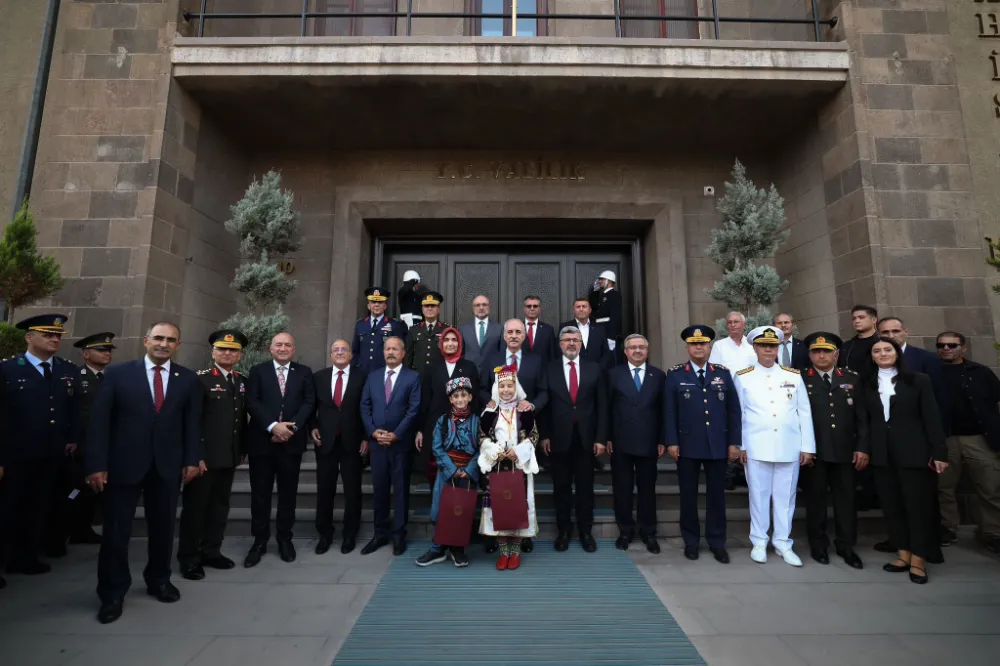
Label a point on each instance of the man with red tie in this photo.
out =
(540, 337)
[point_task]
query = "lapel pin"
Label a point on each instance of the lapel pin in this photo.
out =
(177, 374)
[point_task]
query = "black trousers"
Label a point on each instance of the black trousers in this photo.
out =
(574, 466)
(204, 515)
(688, 470)
(70, 517)
(908, 504)
(118, 502)
(629, 471)
(821, 481)
(328, 467)
(391, 472)
(265, 469)
(27, 499)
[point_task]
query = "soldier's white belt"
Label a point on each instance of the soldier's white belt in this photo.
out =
(602, 320)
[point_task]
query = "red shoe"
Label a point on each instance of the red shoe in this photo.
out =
(514, 561)
(502, 562)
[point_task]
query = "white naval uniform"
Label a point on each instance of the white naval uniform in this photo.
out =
(777, 427)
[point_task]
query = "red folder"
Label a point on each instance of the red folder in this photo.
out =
(509, 500)
(456, 511)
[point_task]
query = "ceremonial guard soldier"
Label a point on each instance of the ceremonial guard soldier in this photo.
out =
(37, 431)
(703, 431)
(411, 293)
(223, 422)
(423, 343)
(777, 440)
(606, 301)
(840, 423)
(371, 332)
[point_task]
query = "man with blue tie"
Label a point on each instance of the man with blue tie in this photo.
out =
(636, 392)
(703, 431)
(390, 405)
(372, 331)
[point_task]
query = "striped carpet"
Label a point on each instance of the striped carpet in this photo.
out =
(558, 608)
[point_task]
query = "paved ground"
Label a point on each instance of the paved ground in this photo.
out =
(299, 614)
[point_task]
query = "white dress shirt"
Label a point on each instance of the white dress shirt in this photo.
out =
(640, 368)
(886, 389)
(333, 380)
(584, 330)
(566, 362)
(451, 367)
(37, 362)
(395, 375)
(164, 375)
(734, 357)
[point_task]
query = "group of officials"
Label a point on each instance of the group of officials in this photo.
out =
(72, 434)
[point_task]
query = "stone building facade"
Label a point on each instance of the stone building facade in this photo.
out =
(499, 156)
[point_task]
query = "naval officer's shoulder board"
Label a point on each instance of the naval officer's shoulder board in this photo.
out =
(745, 370)
(785, 367)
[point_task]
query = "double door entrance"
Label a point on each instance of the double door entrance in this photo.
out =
(556, 272)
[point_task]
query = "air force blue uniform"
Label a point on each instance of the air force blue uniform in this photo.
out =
(370, 336)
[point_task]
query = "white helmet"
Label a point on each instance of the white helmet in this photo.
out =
(411, 275)
(608, 275)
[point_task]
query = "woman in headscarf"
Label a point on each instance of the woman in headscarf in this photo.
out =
(433, 397)
(507, 442)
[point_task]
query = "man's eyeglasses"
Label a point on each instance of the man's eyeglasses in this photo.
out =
(532, 307)
(948, 345)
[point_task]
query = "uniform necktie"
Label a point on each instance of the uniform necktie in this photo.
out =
(701, 377)
(157, 388)
(513, 363)
(482, 333)
(374, 324)
(281, 379)
(388, 385)
(47, 369)
(531, 335)
(638, 382)
(826, 380)
(785, 360)
(338, 390)
(231, 382)
(574, 383)
(100, 375)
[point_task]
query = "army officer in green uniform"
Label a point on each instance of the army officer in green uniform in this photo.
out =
(423, 342)
(223, 421)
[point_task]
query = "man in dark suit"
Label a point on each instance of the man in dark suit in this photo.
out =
(595, 338)
(840, 423)
(482, 334)
(540, 338)
(636, 392)
(574, 429)
(341, 443)
(144, 438)
(280, 400)
(792, 352)
(390, 410)
(37, 433)
(703, 426)
(371, 332)
(223, 425)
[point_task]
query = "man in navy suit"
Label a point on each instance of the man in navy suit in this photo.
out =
(703, 431)
(390, 406)
(280, 401)
(595, 338)
(144, 438)
(540, 338)
(636, 396)
(372, 331)
(792, 352)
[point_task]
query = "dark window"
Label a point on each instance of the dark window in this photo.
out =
(497, 27)
(356, 26)
(653, 29)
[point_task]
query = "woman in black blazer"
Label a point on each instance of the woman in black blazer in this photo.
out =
(907, 450)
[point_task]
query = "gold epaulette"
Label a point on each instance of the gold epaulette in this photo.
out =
(785, 367)
(745, 370)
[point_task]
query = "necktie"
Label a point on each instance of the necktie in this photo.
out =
(701, 377)
(826, 380)
(638, 382)
(513, 363)
(281, 379)
(374, 324)
(100, 375)
(388, 385)
(574, 383)
(531, 335)
(785, 360)
(157, 388)
(338, 390)
(482, 333)
(231, 383)
(47, 369)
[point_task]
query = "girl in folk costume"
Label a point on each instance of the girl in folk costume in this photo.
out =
(455, 445)
(507, 442)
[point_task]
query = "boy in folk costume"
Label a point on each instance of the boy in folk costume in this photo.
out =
(507, 442)
(455, 444)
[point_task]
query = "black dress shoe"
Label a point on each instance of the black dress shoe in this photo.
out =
(588, 543)
(373, 545)
(286, 551)
(89, 537)
(916, 578)
(622, 542)
(721, 555)
(324, 544)
(348, 545)
(885, 547)
(110, 611)
(253, 557)
(32, 568)
(527, 545)
(691, 552)
(217, 562)
(398, 547)
(562, 542)
(820, 555)
(652, 545)
(165, 593)
(491, 545)
(730, 484)
(851, 558)
(895, 568)
(192, 571)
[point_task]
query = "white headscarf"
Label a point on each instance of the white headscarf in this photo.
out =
(519, 395)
